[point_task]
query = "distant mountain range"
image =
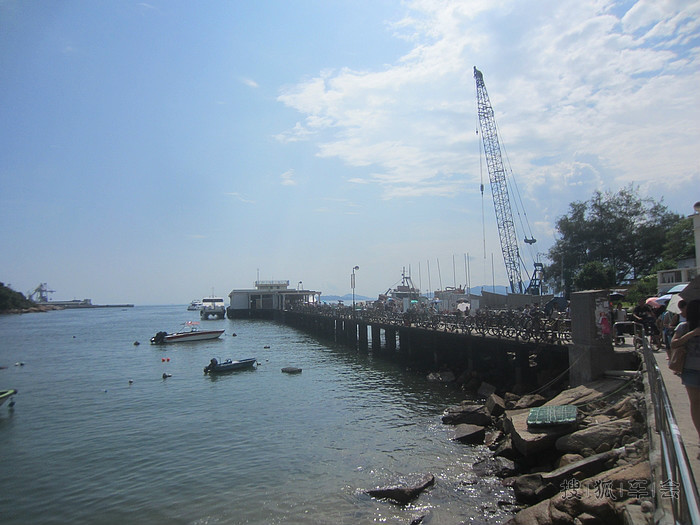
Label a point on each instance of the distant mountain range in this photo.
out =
(345, 298)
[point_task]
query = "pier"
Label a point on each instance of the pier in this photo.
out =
(493, 352)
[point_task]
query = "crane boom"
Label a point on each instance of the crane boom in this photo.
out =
(499, 187)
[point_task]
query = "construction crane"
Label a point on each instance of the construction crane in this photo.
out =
(501, 199)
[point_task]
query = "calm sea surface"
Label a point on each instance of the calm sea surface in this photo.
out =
(82, 445)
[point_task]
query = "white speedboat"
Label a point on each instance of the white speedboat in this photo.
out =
(189, 332)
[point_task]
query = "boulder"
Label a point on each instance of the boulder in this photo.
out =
(470, 434)
(586, 393)
(530, 400)
(466, 413)
(595, 436)
(442, 377)
(495, 405)
(495, 466)
(565, 508)
(486, 389)
(403, 494)
(531, 441)
(531, 488)
(568, 459)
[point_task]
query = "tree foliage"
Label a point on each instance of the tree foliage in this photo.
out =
(626, 234)
(11, 300)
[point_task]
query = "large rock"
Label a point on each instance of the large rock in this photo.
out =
(495, 466)
(470, 434)
(531, 441)
(531, 488)
(586, 393)
(530, 400)
(495, 405)
(567, 508)
(593, 437)
(403, 494)
(467, 413)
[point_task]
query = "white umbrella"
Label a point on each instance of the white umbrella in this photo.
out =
(672, 305)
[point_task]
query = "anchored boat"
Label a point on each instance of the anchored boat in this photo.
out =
(189, 332)
(7, 394)
(214, 367)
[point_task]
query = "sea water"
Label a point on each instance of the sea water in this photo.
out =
(98, 436)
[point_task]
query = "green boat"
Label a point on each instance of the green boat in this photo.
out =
(7, 394)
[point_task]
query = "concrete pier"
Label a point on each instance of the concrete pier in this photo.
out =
(501, 361)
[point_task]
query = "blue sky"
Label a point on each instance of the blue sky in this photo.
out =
(151, 152)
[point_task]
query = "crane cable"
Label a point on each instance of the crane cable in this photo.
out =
(519, 206)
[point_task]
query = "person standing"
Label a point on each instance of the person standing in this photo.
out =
(688, 334)
(620, 317)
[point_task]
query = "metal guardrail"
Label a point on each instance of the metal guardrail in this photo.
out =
(509, 324)
(679, 482)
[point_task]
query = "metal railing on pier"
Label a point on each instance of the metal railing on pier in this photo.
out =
(525, 326)
(678, 482)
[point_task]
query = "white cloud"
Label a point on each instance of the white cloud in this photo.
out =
(288, 178)
(249, 82)
(240, 197)
(568, 80)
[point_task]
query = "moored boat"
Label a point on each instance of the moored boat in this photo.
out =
(189, 332)
(214, 367)
(7, 394)
(195, 305)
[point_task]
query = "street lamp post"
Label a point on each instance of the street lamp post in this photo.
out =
(352, 285)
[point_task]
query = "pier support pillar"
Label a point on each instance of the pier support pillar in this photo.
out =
(363, 336)
(591, 353)
(390, 336)
(405, 340)
(376, 338)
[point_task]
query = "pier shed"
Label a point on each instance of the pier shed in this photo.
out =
(267, 298)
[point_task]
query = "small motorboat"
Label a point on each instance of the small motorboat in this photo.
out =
(214, 367)
(7, 394)
(189, 332)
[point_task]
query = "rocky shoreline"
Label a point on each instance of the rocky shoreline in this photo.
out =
(593, 469)
(33, 309)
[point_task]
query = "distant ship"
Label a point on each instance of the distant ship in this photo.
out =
(40, 295)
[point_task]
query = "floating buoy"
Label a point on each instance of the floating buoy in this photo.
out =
(131, 381)
(165, 376)
(162, 359)
(167, 359)
(233, 334)
(136, 343)
(20, 363)
(291, 370)
(266, 346)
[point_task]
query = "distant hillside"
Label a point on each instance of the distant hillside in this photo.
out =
(11, 300)
(345, 298)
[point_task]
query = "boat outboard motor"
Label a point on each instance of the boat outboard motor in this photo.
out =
(158, 338)
(213, 361)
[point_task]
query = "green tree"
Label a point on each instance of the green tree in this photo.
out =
(594, 275)
(623, 231)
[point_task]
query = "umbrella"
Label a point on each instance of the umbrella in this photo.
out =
(672, 305)
(616, 296)
(692, 291)
(678, 288)
(463, 307)
(664, 298)
(653, 302)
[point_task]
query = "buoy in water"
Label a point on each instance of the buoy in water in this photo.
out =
(233, 334)
(136, 343)
(131, 381)
(165, 376)
(291, 370)
(266, 346)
